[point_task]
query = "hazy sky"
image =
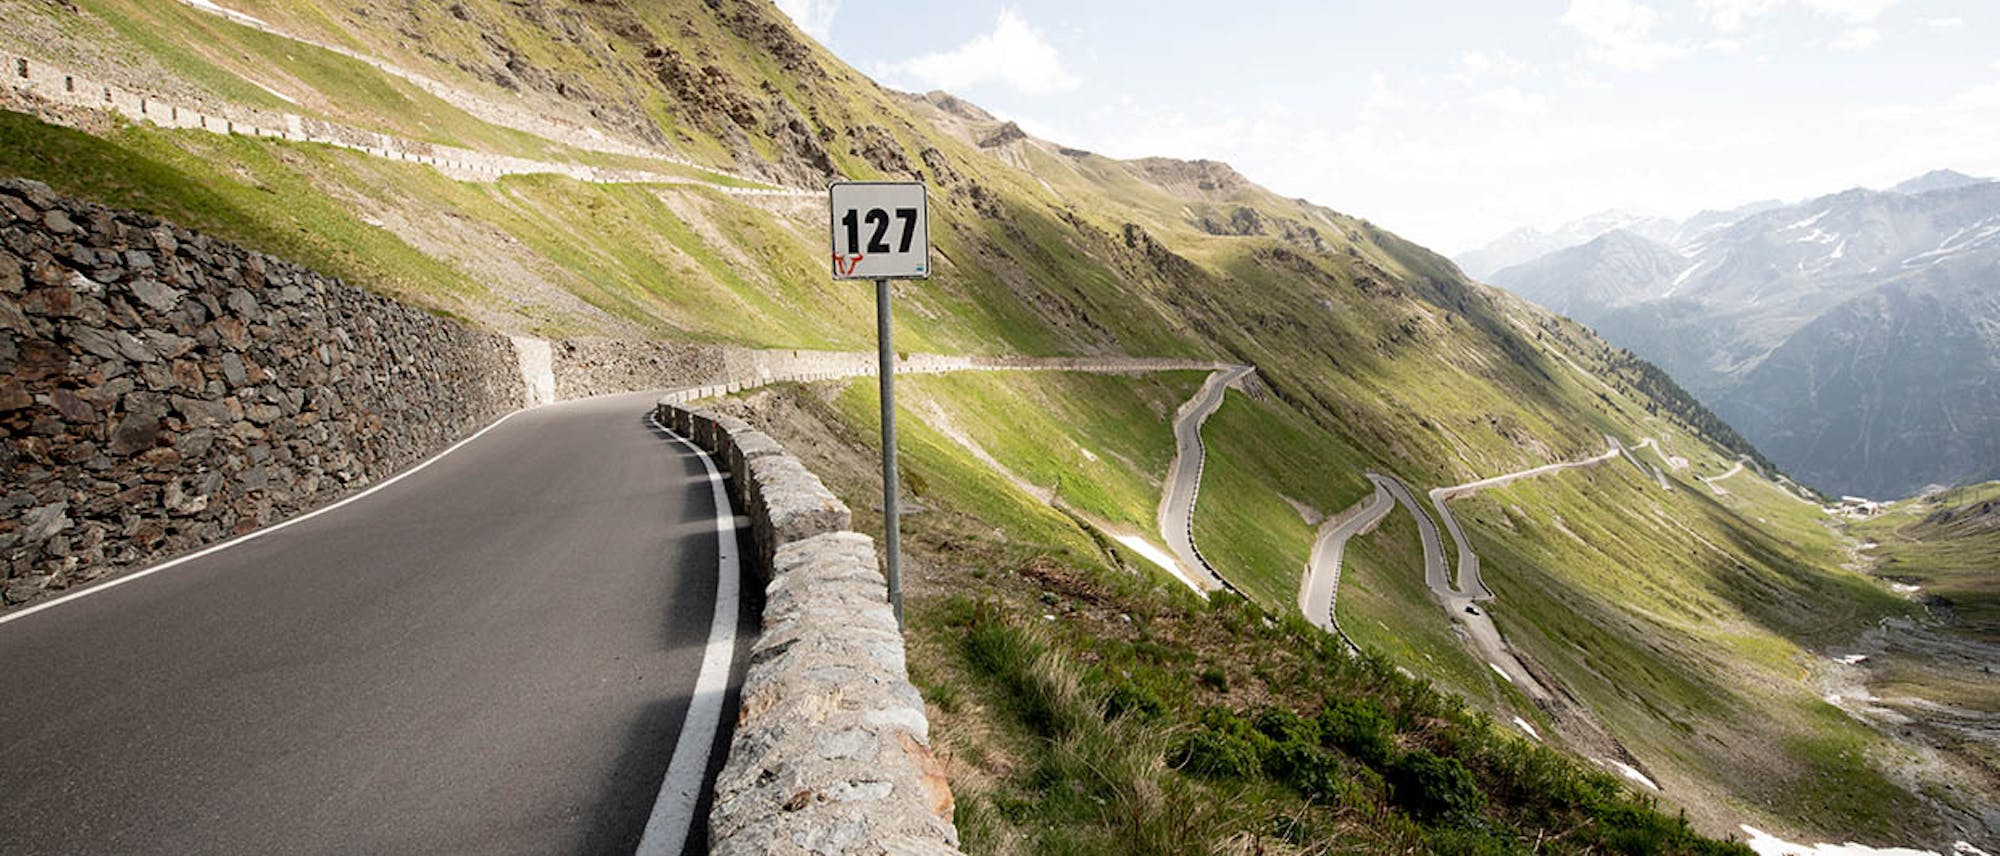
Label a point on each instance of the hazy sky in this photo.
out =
(1452, 122)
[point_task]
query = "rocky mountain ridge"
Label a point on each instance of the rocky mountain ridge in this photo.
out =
(1848, 336)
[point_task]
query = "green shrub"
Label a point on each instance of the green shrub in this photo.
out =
(1433, 789)
(1360, 728)
(1306, 768)
(1214, 678)
(1215, 754)
(1284, 726)
(1130, 699)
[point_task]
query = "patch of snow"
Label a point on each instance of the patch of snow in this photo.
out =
(1809, 220)
(1854, 659)
(1963, 849)
(1946, 243)
(232, 14)
(1905, 588)
(1633, 774)
(1840, 251)
(1820, 236)
(1501, 672)
(286, 98)
(1151, 553)
(1766, 844)
(1682, 279)
(1526, 727)
(1953, 244)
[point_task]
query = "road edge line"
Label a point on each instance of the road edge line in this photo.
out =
(672, 817)
(252, 536)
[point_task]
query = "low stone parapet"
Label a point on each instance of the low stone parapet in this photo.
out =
(831, 752)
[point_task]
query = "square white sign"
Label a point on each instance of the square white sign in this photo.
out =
(880, 230)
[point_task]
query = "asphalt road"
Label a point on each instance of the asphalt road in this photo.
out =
(1323, 569)
(1480, 631)
(1176, 517)
(1436, 574)
(494, 655)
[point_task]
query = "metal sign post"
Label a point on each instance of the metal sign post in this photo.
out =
(892, 512)
(881, 231)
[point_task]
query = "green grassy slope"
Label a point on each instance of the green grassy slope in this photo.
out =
(1947, 543)
(1101, 445)
(1689, 629)
(1262, 458)
(1371, 352)
(1084, 705)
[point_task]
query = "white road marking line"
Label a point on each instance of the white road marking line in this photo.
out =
(673, 811)
(275, 527)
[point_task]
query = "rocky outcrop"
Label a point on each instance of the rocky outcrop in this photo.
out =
(1006, 133)
(1197, 179)
(831, 752)
(161, 390)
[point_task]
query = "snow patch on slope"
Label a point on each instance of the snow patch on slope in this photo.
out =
(1767, 844)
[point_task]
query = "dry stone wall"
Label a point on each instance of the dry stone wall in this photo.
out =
(831, 752)
(586, 367)
(33, 84)
(161, 390)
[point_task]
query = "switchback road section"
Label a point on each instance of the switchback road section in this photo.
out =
(494, 654)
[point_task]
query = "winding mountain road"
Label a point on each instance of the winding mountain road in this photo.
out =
(1176, 518)
(1436, 573)
(1469, 583)
(507, 649)
(1711, 480)
(1318, 593)
(1322, 580)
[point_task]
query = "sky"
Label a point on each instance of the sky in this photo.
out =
(1453, 122)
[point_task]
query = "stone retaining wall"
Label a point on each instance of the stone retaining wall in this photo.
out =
(831, 752)
(161, 390)
(38, 81)
(586, 367)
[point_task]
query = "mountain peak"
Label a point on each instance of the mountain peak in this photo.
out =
(1940, 179)
(957, 106)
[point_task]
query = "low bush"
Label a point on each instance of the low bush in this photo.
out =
(1434, 789)
(1360, 728)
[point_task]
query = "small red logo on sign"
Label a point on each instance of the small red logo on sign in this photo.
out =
(844, 265)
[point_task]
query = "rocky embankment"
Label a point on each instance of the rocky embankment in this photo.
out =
(161, 390)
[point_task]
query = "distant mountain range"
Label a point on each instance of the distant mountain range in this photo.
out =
(1854, 338)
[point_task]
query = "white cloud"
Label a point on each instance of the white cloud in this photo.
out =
(1013, 54)
(1852, 11)
(1512, 101)
(1381, 98)
(1729, 16)
(1944, 23)
(1857, 39)
(1732, 16)
(1619, 33)
(1474, 65)
(813, 16)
